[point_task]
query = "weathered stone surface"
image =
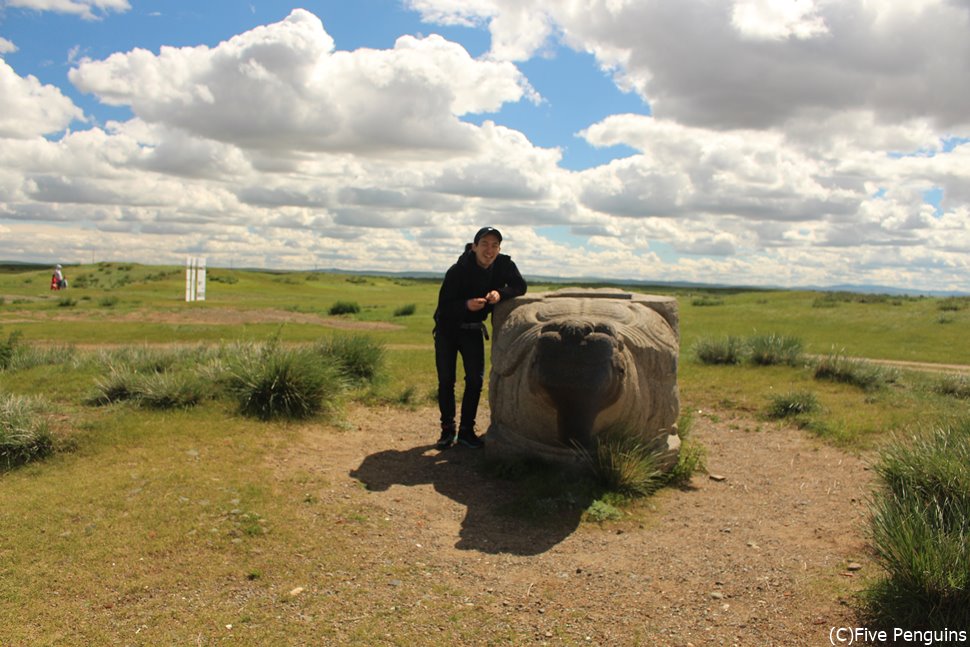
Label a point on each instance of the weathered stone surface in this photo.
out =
(569, 365)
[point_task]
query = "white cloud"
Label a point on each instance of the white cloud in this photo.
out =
(777, 19)
(29, 108)
(6, 46)
(86, 9)
(755, 63)
(311, 97)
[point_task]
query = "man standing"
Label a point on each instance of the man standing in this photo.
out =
(481, 278)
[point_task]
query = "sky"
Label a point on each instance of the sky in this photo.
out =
(780, 143)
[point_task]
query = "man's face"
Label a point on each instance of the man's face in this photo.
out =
(487, 249)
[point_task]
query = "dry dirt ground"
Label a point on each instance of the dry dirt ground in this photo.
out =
(760, 556)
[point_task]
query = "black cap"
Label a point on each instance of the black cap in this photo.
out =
(486, 231)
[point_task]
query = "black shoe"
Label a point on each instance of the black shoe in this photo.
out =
(447, 438)
(468, 438)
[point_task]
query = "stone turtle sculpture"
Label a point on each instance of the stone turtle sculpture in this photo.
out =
(573, 364)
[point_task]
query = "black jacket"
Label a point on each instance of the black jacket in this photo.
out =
(466, 280)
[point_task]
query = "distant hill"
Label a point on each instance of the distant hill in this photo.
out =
(586, 280)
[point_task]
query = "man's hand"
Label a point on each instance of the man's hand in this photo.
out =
(493, 297)
(475, 304)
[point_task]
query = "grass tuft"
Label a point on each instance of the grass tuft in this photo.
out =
(792, 404)
(957, 386)
(772, 349)
(920, 529)
(836, 367)
(406, 310)
(722, 350)
(24, 435)
(624, 464)
(359, 358)
(8, 348)
(273, 383)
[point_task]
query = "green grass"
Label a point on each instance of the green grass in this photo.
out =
(921, 531)
(158, 516)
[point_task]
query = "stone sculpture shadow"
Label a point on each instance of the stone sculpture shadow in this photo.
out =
(491, 524)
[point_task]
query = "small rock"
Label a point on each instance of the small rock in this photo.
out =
(395, 582)
(717, 477)
(854, 566)
(751, 544)
(296, 592)
(717, 595)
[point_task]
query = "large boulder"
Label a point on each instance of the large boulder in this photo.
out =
(572, 365)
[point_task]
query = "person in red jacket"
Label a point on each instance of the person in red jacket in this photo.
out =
(472, 286)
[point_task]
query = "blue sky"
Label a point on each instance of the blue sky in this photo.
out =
(766, 142)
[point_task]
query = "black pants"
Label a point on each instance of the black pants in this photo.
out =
(447, 346)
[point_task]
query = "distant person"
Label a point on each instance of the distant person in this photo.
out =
(58, 282)
(481, 278)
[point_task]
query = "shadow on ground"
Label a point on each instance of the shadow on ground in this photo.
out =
(498, 519)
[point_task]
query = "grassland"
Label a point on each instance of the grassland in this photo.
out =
(173, 520)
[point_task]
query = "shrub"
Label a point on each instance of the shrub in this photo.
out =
(952, 304)
(358, 357)
(772, 349)
(66, 302)
(793, 403)
(24, 435)
(344, 308)
(724, 350)
(272, 383)
(406, 310)
(109, 301)
(920, 529)
(865, 375)
(707, 300)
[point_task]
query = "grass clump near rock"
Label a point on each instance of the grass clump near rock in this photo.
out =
(771, 349)
(625, 465)
(720, 350)
(836, 367)
(920, 531)
(344, 308)
(792, 404)
(24, 434)
(270, 382)
(359, 358)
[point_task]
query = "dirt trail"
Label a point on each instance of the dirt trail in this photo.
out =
(758, 558)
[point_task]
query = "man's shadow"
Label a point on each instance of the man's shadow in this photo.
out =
(497, 519)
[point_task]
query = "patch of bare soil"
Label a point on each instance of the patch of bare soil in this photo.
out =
(759, 556)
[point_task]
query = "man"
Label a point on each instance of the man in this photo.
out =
(481, 278)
